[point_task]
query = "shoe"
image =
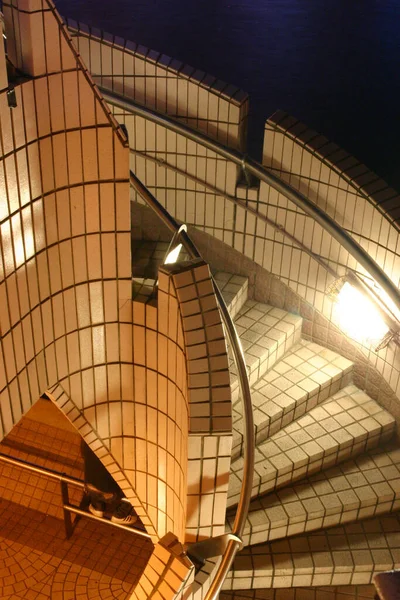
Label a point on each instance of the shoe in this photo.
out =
(97, 508)
(124, 515)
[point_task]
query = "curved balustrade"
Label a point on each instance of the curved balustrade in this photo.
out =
(249, 439)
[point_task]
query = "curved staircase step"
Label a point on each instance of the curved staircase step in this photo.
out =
(303, 378)
(349, 555)
(266, 333)
(339, 592)
(344, 426)
(357, 489)
(234, 290)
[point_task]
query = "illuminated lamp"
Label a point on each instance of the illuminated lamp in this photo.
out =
(174, 249)
(359, 315)
(173, 255)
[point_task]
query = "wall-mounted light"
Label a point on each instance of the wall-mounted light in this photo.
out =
(174, 248)
(359, 315)
(173, 255)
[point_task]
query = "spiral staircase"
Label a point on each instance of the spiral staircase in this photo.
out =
(324, 514)
(325, 497)
(319, 512)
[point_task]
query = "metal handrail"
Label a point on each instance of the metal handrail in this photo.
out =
(256, 169)
(68, 508)
(248, 435)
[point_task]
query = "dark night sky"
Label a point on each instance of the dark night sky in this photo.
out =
(333, 64)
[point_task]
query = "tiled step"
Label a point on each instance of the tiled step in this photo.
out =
(39, 563)
(349, 555)
(336, 592)
(234, 290)
(303, 378)
(344, 426)
(266, 333)
(358, 489)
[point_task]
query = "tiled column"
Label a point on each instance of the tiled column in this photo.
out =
(168, 573)
(27, 27)
(210, 424)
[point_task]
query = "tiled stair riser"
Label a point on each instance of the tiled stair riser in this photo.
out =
(315, 466)
(234, 290)
(344, 426)
(341, 556)
(266, 333)
(315, 523)
(350, 592)
(359, 489)
(292, 388)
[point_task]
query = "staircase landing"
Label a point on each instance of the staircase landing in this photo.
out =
(38, 562)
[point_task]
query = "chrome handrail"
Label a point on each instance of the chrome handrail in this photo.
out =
(256, 169)
(248, 434)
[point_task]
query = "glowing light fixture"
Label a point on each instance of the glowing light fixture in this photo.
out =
(173, 255)
(358, 317)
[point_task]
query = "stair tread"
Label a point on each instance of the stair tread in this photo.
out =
(266, 333)
(234, 290)
(336, 556)
(307, 375)
(319, 592)
(356, 489)
(345, 425)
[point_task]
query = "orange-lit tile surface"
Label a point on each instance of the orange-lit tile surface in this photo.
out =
(37, 562)
(46, 446)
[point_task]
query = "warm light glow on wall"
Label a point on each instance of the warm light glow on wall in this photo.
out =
(358, 317)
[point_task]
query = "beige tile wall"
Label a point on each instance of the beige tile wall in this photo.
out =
(138, 424)
(203, 579)
(61, 229)
(164, 84)
(193, 97)
(67, 321)
(210, 437)
(161, 394)
(116, 368)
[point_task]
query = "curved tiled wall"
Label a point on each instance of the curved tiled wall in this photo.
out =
(195, 185)
(68, 323)
(64, 237)
(196, 98)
